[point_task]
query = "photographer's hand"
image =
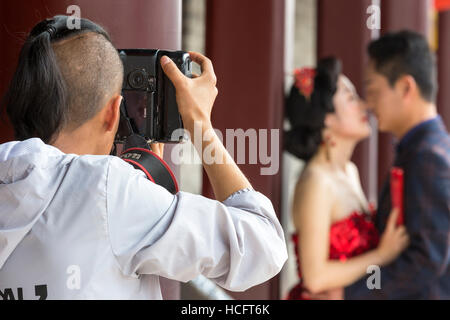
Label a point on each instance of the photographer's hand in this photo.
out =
(195, 99)
(158, 148)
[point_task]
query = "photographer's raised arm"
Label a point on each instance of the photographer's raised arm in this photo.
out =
(238, 241)
(195, 98)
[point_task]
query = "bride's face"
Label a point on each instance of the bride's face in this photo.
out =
(350, 119)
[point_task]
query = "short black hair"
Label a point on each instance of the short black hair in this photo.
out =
(62, 78)
(406, 53)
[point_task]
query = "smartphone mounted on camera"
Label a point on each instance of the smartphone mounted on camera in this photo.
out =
(149, 108)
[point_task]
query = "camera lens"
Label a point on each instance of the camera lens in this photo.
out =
(137, 79)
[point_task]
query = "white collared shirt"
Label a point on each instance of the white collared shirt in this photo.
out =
(93, 227)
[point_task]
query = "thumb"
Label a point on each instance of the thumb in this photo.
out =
(171, 70)
(393, 218)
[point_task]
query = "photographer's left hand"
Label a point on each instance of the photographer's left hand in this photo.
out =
(158, 148)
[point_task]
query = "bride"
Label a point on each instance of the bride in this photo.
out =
(335, 239)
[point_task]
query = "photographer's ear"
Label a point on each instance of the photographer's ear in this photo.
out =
(112, 113)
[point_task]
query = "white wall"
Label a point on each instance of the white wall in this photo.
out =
(300, 53)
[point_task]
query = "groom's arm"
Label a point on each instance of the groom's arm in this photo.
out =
(427, 217)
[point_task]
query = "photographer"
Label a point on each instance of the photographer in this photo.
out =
(76, 223)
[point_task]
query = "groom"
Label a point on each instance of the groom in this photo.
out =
(401, 89)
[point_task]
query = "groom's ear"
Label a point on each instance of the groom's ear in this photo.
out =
(407, 88)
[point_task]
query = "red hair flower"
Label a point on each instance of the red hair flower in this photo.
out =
(304, 81)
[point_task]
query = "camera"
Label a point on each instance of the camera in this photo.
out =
(149, 108)
(149, 112)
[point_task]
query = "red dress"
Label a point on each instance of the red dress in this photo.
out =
(349, 237)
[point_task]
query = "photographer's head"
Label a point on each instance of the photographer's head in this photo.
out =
(401, 81)
(66, 88)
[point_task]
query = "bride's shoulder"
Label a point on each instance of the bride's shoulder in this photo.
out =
(314, 192)
(315, 177)
(352, 166)
(352, 170)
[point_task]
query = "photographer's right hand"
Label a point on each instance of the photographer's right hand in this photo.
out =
(195, 97)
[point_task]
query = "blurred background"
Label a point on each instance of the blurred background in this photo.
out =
(255, 46)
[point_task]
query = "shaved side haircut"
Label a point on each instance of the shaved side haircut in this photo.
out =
(63, 78)
(92, 71)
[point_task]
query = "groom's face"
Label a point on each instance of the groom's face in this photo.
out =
(382, 99)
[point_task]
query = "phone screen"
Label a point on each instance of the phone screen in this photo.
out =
(136, 102)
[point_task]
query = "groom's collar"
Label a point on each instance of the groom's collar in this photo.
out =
(419, 131)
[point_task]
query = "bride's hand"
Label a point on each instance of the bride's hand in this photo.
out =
(393, 240)
(332, 294)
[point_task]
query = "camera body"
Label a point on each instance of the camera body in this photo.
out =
(149, 108)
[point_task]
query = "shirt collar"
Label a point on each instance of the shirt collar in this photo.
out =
(415, 130)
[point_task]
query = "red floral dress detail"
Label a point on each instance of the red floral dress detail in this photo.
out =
(349, 237)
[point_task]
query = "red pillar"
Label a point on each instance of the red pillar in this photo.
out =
(342, 32)
(244, 39)
(444, 67)
(398, 15)
(131, 24)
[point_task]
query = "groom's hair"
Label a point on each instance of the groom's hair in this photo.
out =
(406, 53)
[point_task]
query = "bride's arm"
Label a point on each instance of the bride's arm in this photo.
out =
(312, 208)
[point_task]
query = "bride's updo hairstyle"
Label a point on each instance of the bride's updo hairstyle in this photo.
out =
(310, 99)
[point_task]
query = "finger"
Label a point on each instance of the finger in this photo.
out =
(172, 71)
(408, 241)
(403, 235)
(205, 64)
(392, 220)
(157, 148)
(406, 238)
(154, 147)
(404, 244)
(402, 230)
(194, 75)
